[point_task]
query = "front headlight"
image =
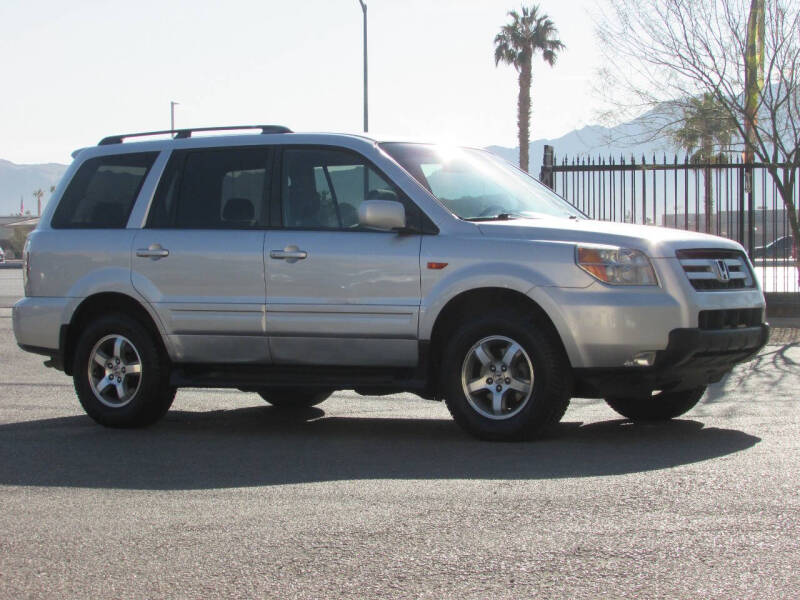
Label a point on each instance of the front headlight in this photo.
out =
(616, 266)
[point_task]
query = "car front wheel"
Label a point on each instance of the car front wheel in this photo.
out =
(658, 407)
(505, 377)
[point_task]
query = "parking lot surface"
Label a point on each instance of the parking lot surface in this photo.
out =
(387, 497)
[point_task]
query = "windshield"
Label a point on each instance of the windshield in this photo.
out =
(476, 185)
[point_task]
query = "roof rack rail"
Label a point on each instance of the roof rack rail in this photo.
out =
(187, 133)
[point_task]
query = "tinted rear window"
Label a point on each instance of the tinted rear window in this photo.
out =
(214, 189)
(102, 192)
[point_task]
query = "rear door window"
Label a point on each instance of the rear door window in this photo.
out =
(102, 192)
(214, 189)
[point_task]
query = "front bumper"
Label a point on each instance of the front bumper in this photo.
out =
(693, 358)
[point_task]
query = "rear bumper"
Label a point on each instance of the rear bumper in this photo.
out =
(56, 357)
(692, 358)
(38, 326)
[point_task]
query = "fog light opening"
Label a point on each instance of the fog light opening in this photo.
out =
(643, 359)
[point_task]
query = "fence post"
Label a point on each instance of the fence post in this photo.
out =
(546, 173)
(742, 183)
(751, 210)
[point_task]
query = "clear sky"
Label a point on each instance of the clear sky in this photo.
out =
(75, 71)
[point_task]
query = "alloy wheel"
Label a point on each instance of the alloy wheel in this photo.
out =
(115, 370)
(497, 377)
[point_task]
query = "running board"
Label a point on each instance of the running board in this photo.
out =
(249, 377)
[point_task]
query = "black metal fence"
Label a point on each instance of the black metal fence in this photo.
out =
(727, 198)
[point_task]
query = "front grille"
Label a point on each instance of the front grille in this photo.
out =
(712, 270)
(730, 318)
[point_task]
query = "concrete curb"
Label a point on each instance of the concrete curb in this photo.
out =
(781, 305)
(784, 322)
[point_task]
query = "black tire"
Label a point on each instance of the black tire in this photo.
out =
(293, 398)
(550, 386)
(661, 407)
(152, 395)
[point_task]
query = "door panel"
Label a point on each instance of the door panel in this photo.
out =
(208, 290)
(353, 300)
(200, 262)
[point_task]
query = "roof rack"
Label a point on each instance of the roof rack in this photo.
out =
(187, 133)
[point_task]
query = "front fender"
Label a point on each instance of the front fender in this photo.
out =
(476, 262)
(443, 291)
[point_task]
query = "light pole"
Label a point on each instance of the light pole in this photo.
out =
(366, 118)
(172, 105)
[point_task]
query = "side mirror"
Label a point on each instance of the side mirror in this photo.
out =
(382, 214)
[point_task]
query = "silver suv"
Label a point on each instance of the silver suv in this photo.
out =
(293, 265)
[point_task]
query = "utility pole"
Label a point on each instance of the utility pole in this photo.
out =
(366, 118)
(172, 105)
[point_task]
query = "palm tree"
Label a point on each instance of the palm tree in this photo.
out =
(516, 45)
(706, 127)
(38, 195)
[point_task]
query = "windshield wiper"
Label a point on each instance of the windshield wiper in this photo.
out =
(498, 217)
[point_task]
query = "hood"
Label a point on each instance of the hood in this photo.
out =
(656, 242)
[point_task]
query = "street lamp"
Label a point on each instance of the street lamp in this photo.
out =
(172, 105)
(364, 10)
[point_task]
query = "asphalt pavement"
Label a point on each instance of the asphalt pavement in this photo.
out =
(386, 497)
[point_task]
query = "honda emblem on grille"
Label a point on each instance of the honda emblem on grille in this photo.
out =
(723, 274)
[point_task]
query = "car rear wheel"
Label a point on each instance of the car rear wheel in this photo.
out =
(120, 377)
(505, 377)
(293, 398)
(659, 407)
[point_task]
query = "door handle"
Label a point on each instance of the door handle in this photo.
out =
(288, 254)
(153, 251)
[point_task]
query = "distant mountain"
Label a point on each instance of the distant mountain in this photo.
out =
(22, 180)
(593, 141)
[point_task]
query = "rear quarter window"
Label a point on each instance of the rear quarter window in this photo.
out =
(102, 192)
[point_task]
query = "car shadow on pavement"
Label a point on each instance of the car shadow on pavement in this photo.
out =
(261, 446)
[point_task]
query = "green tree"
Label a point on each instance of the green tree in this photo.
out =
(705, 130)
(529, 32)
(17, 241)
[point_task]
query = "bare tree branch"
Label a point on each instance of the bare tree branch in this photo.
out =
(662, 55)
